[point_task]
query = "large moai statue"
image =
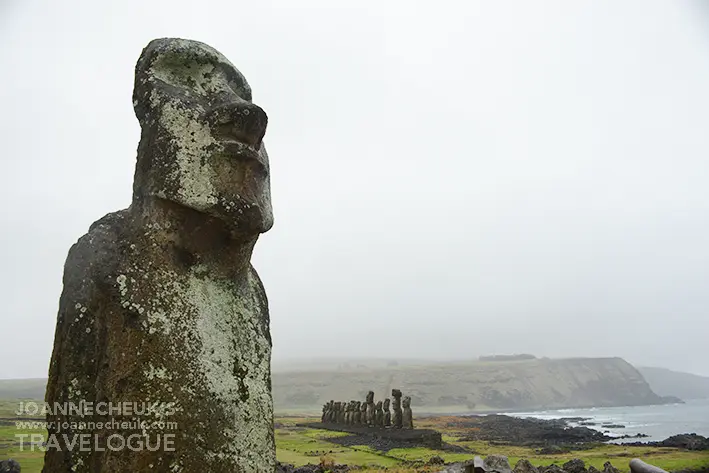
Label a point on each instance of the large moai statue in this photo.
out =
(379, 414)
(348, 413)
(161, 309)
(387, 413)
(363, 413)
(338, 406)
(407, 415)
(396, 420)
(370, 408)
(323, 418)
(358, 413)
(331, 412)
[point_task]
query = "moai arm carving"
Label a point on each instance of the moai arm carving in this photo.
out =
(134, 324)
(408, 420)
(396, 407)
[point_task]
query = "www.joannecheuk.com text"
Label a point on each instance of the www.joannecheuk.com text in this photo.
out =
(87, 408)
(96, 442)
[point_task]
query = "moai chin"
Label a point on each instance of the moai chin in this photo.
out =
(387, 413)
(407, 415)
(370, 408)
(396, 419)
(161, 308)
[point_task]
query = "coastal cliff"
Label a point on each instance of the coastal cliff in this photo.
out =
(482, 386)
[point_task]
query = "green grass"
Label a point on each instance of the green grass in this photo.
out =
(297, 445)
(30, 458)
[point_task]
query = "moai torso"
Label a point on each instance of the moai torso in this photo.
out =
(387, 413)
(363, 413)
(407, 415)
(160, 303)
(396, 420)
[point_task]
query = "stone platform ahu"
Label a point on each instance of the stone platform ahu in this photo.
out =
(163, 324)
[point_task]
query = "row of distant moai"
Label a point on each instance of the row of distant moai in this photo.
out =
(369, 413)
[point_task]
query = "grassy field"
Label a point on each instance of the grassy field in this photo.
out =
(300, 446)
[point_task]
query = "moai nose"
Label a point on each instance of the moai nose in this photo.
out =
(242, 121)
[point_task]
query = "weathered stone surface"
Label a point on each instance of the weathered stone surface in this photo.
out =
(551, 469)
(9, 466)
(407, 421)
(160, 301)
(525, 466)
(396, 419)
(379, 414)
(639, 466)
(370, 408)
(609, 468)
(575, 465)
(593, 469)
(387, 412)
(497, 464)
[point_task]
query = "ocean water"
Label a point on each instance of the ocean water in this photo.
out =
(659, 422)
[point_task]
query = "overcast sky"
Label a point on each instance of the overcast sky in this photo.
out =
(449, 179)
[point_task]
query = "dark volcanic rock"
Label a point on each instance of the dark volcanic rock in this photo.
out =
(683, 441)
(613, 426)
(687, 442)
(9, 466)
(436, 460)
(551, 469)
(575, 466)
(497, 464)
(528, 432)
(609, 468)
(525, 466)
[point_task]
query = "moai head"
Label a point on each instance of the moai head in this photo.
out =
(358, 405)
(370, 397)
(396, 394)
(386, 404)
(201, 143)
(363, 407)
(379, 405)
(406, 402)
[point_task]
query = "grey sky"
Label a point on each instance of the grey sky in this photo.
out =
(449, 179)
